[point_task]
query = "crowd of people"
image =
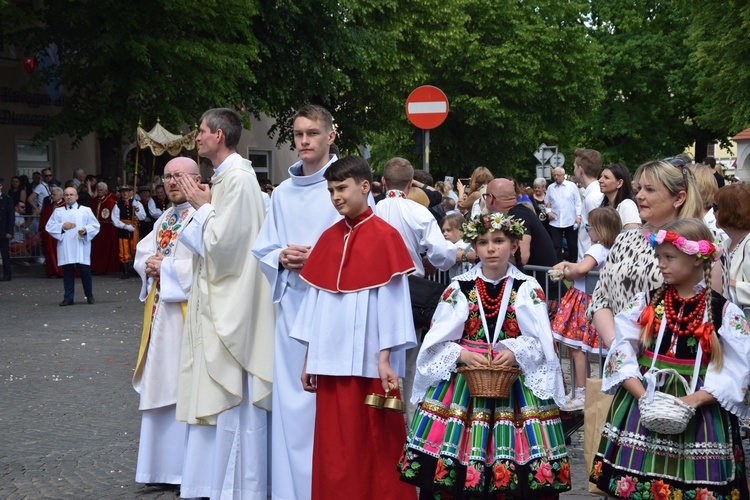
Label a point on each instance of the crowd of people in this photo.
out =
(280, 331)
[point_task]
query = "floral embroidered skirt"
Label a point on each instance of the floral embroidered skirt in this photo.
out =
(706, 461)
(465, 447)
(570, 325)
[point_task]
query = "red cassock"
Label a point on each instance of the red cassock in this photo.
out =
(355, 446)
(49, 244)
(104, 253)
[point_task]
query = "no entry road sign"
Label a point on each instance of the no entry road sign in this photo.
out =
(427, 107)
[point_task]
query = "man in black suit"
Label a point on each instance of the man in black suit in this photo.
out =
(7, 222)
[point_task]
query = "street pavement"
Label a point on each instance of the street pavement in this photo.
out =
(69, 423)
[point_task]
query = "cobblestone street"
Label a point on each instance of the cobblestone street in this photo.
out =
(69, 422)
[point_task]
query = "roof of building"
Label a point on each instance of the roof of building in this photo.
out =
(744, 135)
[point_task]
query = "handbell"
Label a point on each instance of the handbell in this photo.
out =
(375, 400)
(393, 403)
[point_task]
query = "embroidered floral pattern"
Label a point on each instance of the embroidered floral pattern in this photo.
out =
(614, 362)
(657, 489)
(537, 296)
(473, 328)
(739, 323)
(449, 296)
(550, 474)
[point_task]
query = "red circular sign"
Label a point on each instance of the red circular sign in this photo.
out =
(427, 107)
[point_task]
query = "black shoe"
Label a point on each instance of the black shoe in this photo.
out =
(66, 303)
(90, 300)
(5, 278)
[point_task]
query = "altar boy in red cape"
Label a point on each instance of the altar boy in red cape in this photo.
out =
(357, 323)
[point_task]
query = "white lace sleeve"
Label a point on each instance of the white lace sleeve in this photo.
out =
(534, 349)
(622, 358)
(437, 358)
(730, 385)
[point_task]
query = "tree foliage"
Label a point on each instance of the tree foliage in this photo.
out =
(651, 100)
(720, 49)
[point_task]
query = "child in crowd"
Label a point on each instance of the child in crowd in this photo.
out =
(357, 323)
(460, 446)
(686, 326)
(570, 325)
(451, 228)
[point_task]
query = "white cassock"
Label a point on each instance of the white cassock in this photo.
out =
(301, 210)
(227, 349)
(72, 249)
(160, 451)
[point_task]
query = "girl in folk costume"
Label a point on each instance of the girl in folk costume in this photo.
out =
(687, 327)
(570, 325)
(460, 446)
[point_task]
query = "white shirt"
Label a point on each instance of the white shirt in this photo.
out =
(139, 213)
(565, 203)
(420, 232)
(42, 191)
(592, 198)
(629, 213)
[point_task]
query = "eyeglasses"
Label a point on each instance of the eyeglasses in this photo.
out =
(682, 165)
(166, 179)
(487, 196)
(587, 227)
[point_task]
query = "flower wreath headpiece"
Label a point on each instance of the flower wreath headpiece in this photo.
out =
(481, 224)
(702, 249)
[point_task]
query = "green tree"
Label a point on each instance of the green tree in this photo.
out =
(721, 50)
(515, 74)
(651, 99)
(119, 63)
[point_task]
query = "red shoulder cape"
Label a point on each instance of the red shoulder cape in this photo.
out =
(357, 254)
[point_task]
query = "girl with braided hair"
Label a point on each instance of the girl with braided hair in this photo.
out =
(686, 326)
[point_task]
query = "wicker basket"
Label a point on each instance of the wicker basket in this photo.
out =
(489, 381)
(666, 414)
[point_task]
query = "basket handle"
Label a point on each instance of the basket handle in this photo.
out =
(650, 378)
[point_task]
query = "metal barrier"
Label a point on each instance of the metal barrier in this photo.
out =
(27, 239)
(553, 291)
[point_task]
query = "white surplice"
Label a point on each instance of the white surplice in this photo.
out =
(160, 451)
(227, 349)
(300, 211)
(73, 248)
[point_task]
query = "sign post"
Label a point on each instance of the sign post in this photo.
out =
(548, 156)
(426, 108)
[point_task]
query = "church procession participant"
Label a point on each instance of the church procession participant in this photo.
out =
(126, 215)
(356, 322)
(104, 255)
(227, 350)
(166, 269)
(300, 211)
(144, 196)
(74, 227)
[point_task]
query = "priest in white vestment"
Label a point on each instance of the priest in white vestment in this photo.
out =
(166, 270)
(226, 362)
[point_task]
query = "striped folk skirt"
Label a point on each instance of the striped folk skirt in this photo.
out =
(460, 446)
(706, 461)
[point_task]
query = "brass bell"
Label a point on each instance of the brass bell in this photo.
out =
(375, 401)
(392, 403)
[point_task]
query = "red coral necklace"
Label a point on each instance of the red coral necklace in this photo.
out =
(491, 306)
